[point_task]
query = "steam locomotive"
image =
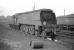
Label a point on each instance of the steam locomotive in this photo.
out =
(40, 22)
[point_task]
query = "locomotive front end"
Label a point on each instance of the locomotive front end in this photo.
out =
(48, 20)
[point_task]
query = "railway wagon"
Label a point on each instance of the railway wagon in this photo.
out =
(37, 21)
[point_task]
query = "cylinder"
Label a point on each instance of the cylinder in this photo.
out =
(36, 44)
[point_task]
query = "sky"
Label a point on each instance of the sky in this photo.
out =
(10, 7)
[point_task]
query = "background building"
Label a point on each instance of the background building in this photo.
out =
(66, 22)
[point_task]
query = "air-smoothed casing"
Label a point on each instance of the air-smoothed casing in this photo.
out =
(36, 17)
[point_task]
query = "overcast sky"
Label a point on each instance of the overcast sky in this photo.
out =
(10, 7)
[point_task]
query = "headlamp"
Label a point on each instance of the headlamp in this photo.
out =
(44, 23)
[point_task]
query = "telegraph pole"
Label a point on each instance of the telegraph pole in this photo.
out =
(34, 7)
(64, 12)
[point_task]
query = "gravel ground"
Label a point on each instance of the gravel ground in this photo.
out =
(21, 41)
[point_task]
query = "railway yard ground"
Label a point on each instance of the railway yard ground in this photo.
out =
(11, 39)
